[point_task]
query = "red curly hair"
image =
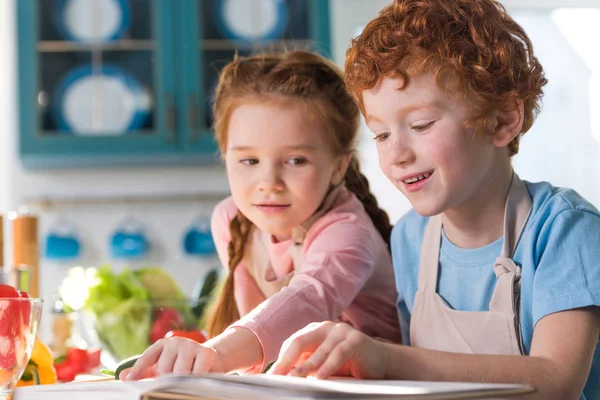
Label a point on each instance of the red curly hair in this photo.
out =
(475, 50)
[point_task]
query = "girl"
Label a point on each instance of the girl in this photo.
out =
(498, 279)
(302, 236)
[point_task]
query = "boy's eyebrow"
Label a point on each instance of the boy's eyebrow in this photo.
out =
(293, 147)
(409, 109)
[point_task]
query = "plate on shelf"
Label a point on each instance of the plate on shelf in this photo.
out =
(104, 100)
(252, 20)
(92, 21)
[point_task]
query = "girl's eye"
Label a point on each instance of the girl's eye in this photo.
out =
(297, 161)
(380, 137)
(249, 161)
(424, 127)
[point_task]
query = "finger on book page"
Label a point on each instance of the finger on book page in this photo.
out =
(166, 360)
(206, 361)
(334, 361)
(306, 340)
(183, 363)
(324, 353)
(144, 365)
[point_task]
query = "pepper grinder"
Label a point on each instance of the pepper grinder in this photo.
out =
(26, 248)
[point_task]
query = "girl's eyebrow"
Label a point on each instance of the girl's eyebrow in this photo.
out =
(292, 147)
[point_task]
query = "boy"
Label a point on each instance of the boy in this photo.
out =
(489, 269)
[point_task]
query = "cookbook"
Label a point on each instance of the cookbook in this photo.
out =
(266, 387)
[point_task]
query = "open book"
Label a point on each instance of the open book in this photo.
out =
(265, 387)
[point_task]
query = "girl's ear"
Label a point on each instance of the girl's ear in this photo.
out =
(507, 123)
(340, 169)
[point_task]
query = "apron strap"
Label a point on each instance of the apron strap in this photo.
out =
(430, 255)
(516, 213)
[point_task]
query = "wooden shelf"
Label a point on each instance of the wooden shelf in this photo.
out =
(62, 46)
(220, 44)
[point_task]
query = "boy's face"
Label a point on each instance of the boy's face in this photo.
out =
(424, 148)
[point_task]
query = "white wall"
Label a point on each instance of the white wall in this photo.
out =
(563, 147)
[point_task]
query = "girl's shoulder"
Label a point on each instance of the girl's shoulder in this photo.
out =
(346, 221)
(223, 213)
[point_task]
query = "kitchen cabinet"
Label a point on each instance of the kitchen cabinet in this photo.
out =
(129, 82)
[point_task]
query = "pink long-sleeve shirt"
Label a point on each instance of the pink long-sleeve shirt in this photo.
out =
(346, 275)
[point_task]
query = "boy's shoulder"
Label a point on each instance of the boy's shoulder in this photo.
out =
(550, 201)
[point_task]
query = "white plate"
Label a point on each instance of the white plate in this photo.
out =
(252, 19)
(92, 20)
(109, 101)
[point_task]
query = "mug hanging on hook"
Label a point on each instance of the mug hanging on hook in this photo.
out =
(62, 241)
(129, 240)
(198, 239)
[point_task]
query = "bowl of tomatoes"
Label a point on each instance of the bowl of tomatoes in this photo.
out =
(19, 320)
(121, 339)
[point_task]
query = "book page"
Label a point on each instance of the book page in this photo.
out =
(219, 386)
(263, 387)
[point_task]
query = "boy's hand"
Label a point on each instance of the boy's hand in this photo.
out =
(174, 355)
(326, 348)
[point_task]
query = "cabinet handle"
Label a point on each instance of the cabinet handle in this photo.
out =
(170, 118)
(193, 119)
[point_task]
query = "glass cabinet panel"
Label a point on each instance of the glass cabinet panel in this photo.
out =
(96, 67)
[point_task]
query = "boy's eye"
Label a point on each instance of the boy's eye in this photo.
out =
(380, 137)
(249, 161)
(423, 127)
(297, 161)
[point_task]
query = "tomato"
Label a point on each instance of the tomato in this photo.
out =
(66, 371)
(9, 325)
(79, 357)
(93, 358)
(25, 308)
(8, 292)
(166, 320)
(8, 352)
(196, 336)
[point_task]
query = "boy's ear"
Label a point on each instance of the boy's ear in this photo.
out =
(507, 123)
(340, 169)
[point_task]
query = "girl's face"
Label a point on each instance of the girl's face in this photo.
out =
(424, 147)
(279, 165)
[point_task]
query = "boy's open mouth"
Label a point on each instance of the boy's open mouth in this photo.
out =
(416, 179)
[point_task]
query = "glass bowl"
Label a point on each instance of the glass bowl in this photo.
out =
(19, 321)
(129, 328)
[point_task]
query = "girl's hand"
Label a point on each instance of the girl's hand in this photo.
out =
(326, 348)
(174, 355)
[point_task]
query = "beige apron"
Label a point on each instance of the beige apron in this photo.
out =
(256, 253)
(434, 325)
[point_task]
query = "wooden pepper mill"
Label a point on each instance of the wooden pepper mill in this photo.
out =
(26, 249)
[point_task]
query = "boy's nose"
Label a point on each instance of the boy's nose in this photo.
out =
(400, 151)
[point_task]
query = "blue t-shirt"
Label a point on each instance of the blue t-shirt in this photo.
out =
(559, 254)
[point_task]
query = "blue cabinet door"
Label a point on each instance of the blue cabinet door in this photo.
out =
(93, 92)
(211, 32)
(129, 82)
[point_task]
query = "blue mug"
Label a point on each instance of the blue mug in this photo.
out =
(129, 240)
(62, 242)
(198, 239)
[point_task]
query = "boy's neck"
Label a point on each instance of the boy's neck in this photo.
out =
(480, 221)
